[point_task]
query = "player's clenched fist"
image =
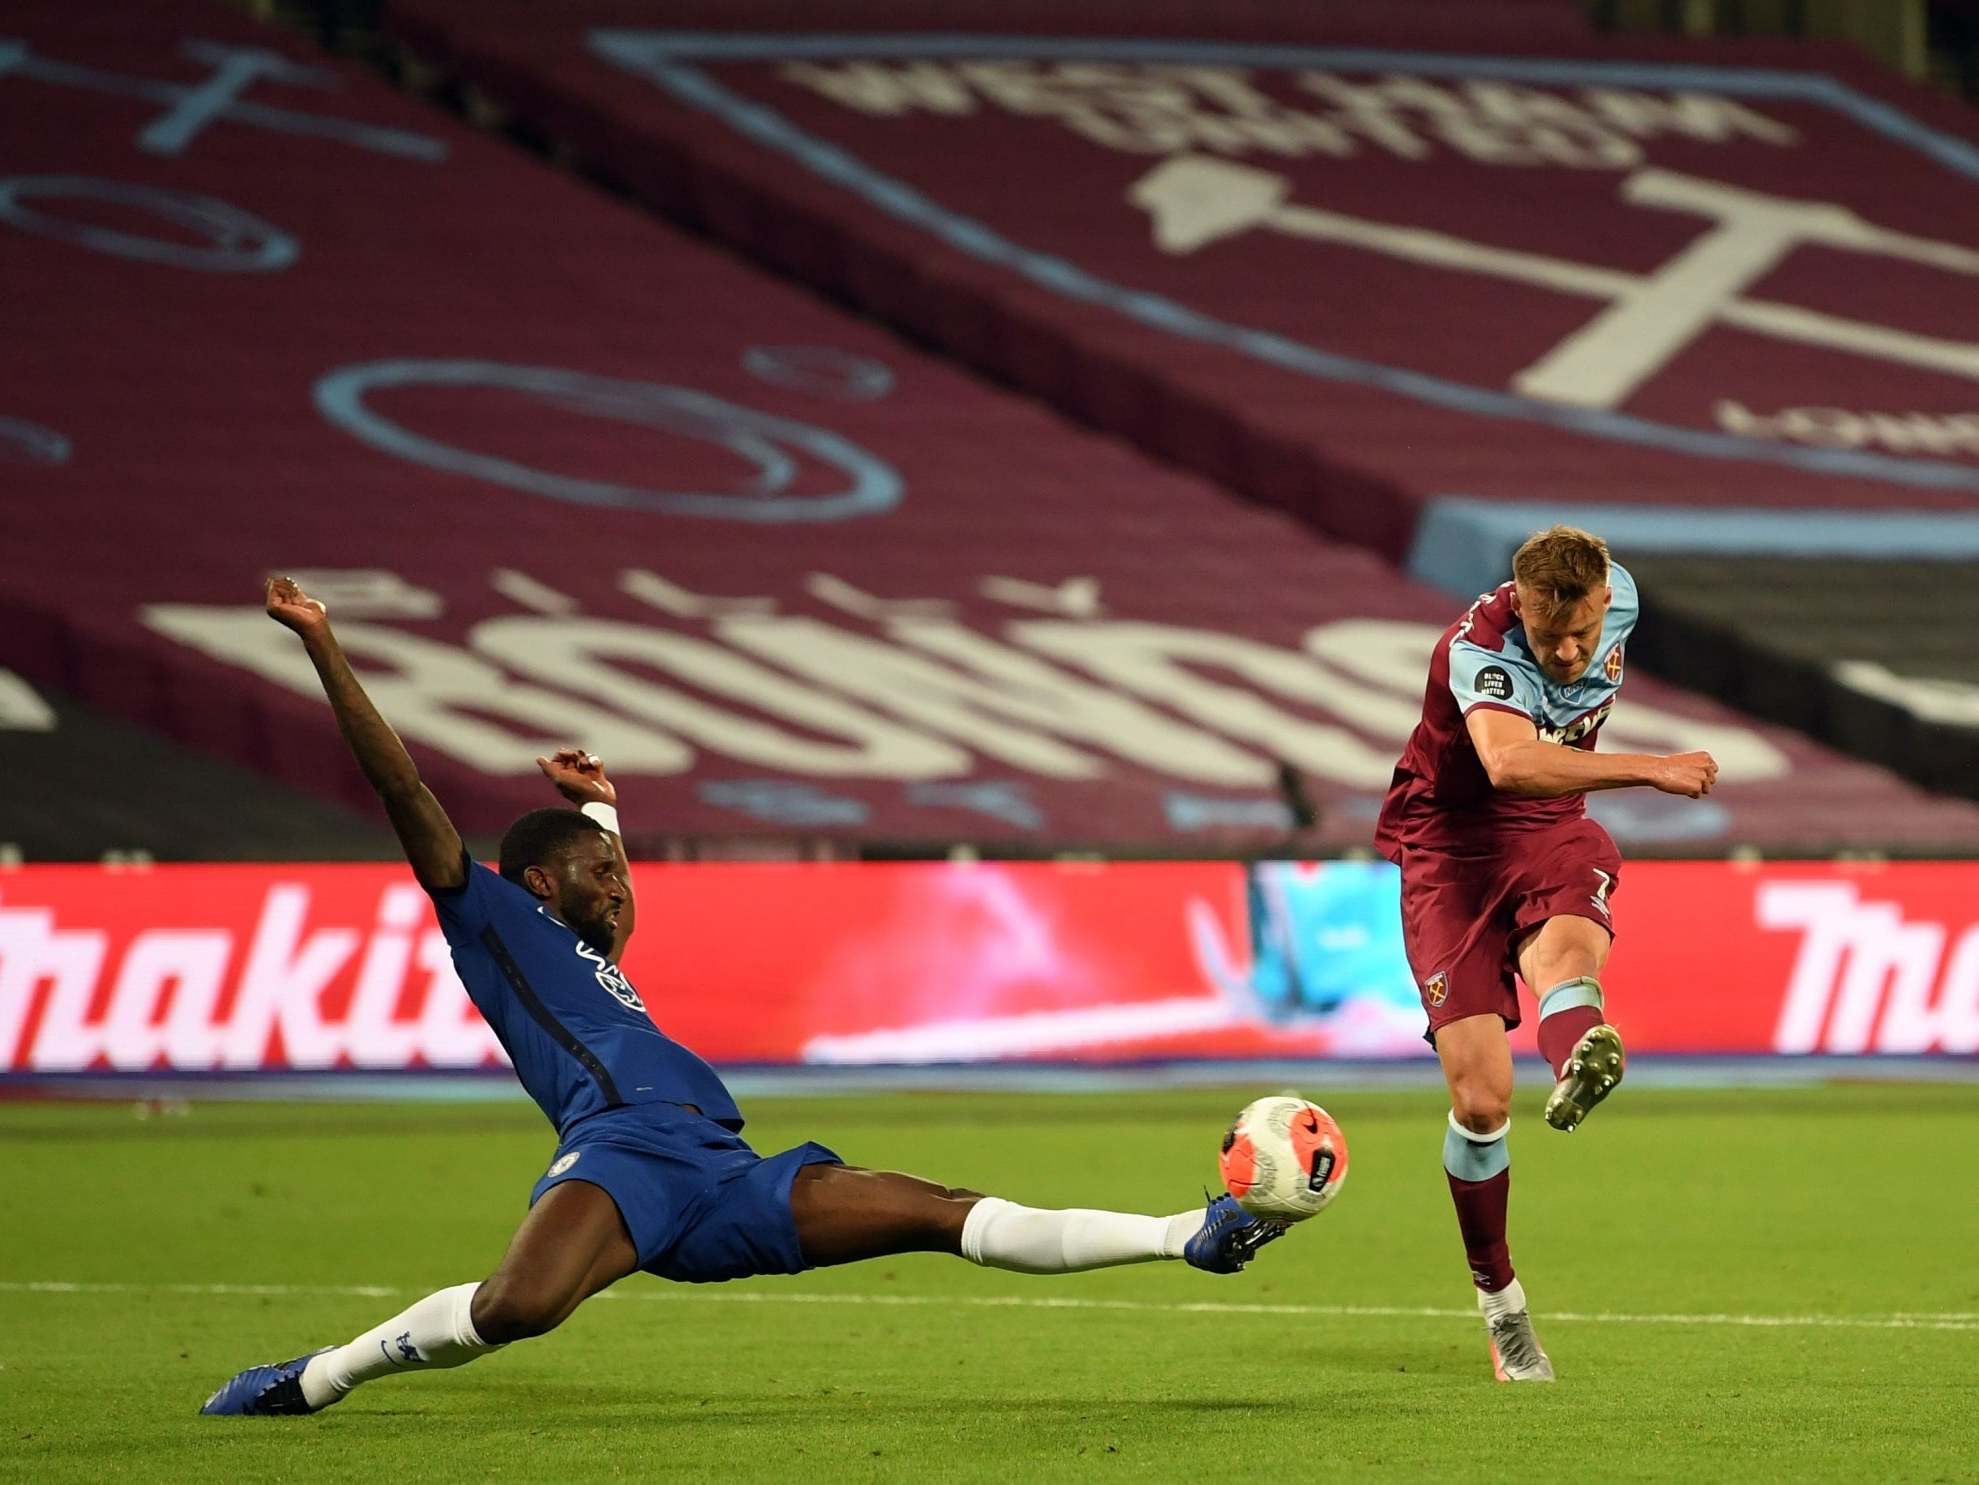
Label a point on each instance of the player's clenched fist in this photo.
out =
(1688, 774)
(292, 608)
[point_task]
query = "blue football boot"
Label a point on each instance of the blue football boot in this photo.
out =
(1229, 1237)
(263, 1391)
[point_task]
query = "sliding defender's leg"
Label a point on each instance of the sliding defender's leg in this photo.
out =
(572, 1244)
(844, 1214)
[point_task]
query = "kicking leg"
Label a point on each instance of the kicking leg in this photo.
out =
(1560, 962)
(845, 1214)
(1477, 1065)
(572, 1244)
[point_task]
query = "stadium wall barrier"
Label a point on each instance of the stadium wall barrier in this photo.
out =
(243, 968)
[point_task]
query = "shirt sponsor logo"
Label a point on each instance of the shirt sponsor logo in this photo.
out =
(1574, 731)
(611, 979)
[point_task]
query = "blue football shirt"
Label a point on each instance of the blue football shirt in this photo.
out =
(571, 1022)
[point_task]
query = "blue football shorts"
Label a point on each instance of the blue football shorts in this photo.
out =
(701, 1206)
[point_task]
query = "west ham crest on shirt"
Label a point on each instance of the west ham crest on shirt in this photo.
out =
(1612, 666)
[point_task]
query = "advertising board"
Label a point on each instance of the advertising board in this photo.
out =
(246, 968)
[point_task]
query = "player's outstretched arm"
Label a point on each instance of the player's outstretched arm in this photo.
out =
(1519, 762)
(431, 843)
(580, 778)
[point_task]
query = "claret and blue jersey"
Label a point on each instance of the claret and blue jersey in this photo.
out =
(1491, 665)
(571, 1022)
(1440, 797)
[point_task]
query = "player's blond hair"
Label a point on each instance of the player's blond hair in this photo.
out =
(1560, 566)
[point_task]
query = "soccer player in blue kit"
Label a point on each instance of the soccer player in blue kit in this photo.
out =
(651, 1172)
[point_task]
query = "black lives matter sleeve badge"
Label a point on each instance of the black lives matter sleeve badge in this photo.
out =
(1494, 681)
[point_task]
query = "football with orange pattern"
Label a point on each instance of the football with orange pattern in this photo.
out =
(1284, 1159)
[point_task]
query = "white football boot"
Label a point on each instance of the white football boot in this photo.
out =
(1516, 1355)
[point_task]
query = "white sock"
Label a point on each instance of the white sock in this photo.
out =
(437, 1331)
(1507, 1301)
(1025, 1240)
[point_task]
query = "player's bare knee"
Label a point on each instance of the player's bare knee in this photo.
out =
(942, 1220)
(961, 1202)
(1544, 972)
(1564, 949)
(505, 1311)
(1479, 1108)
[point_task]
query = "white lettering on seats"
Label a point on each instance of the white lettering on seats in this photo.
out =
(594, 657)
(1649, 318)
(1163, 108)
(922, 699)
(999, 701)
(439, 694)
(1163, 663)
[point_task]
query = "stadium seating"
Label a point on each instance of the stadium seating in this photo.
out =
(1422, 278)
(563, 473)
(1001, 631)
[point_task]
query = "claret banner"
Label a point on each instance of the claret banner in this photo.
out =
(246, 968)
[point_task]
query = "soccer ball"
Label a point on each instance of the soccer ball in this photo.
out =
(1284, 1159)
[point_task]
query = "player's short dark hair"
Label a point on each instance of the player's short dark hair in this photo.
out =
(539, 836)
(1561, 565)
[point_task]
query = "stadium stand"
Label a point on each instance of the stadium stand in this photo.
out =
(562, 472)
(1773, 630)
(1420, 276)
(80, 784)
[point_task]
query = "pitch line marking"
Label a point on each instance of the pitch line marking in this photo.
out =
(1923, 1320)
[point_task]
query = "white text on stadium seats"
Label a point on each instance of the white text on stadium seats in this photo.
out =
(1159, 109)
(1910, 432)
(922, 697)
(1194, 201)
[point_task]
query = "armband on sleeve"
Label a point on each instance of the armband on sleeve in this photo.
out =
(604, 814)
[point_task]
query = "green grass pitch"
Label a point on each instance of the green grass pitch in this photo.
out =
(1771, 1285)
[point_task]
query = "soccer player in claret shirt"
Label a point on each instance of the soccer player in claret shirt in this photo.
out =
(651, 1171)
(1503, 874)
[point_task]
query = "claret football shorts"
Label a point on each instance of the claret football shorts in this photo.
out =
(1465, 912)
